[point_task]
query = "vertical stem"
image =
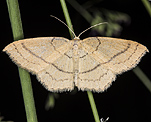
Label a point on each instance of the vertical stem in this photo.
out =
(67, 17)
(93, 106)
(15, 19)
(90, 95)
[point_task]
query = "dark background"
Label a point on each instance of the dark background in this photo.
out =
(127, 100)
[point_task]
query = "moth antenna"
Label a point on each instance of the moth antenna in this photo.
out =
(92, 27)
(64, 24)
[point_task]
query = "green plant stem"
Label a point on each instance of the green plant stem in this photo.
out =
(90, 95)
(93, 106)
(67, 17)
(141, 75)
(15, 19)
(147, 6)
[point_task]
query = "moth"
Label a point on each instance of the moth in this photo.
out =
(61, 64)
